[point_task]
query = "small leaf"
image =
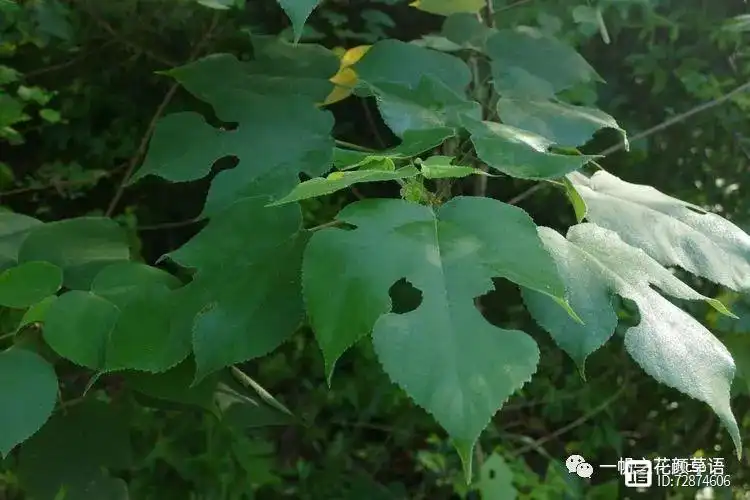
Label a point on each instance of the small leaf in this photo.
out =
(78, 325)
(527, 63)
(520, 153)
(563, 124)
(217, 4)
(668, 344)
(298, 12)
(27, 284)
(496, 479)
(336, 181)
(448, 7)
(673, 232)
(28, 392)
(413, 143)
(80, 247)
(440, 167)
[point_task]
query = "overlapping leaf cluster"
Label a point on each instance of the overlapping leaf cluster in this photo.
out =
(258, 274)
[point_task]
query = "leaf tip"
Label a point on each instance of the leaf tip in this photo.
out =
(465, 451)
(719, 306)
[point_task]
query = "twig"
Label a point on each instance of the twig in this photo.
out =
(65, 64)
(154, 119)
(109, 29)
(371, 122)
(576, 423)
(677, 119)
(63, 184)
(332, 223)
(167, 225)
(646, 133)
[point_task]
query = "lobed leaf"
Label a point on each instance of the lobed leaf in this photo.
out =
(444, 354)
(245, 310)
(265, 114)
(671, 231)
(668, 344)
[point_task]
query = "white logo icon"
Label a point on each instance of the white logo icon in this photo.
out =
(577, 464)
(638, 473)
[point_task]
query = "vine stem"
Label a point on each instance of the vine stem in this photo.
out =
(141, 151)
(649, 132)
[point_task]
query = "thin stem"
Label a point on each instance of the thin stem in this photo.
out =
(141, 151)
(351, 145)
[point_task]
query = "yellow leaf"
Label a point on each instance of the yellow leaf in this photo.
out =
(346, 78)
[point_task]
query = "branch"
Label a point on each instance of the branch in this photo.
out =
(679, 118)
(649, 132)
(488, 18)
(141, 151)
(576, 423)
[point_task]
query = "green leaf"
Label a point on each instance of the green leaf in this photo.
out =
(526, 63)
(70, 451)
(78, 325)
(673, 232)
(28, 393)
(175, 385)
(444, 354)
(247, 309)
(217, 4)
(264, 124)
(14, 228)
(440, 167)
(27, 284)
(143, 338)
(467, 31)
(496, 479)
(392, 62)
(413, 143)
(430, 105)
(80, 247)
(520, 153)
(563, 124)
(668, 344)
(122, 281)
(36, 313)
(336, 181)
(298, 12)
(448, 7)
